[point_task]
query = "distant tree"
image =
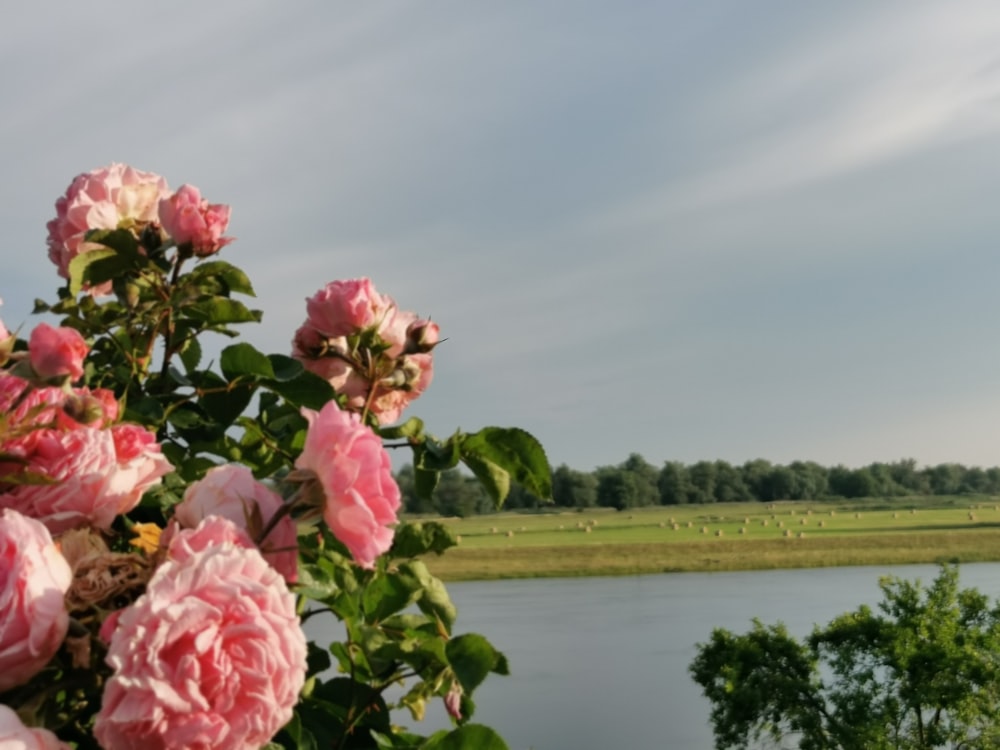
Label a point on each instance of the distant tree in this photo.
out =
(729, 484)
(755, 475)
(645, 478)
(945, 479)
(573, 489)
(810, 480)
(701, 482)
(921, 673)
(616, 488)
(674, 484)
(460, 495)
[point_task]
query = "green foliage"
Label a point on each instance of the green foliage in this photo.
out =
(920, 673)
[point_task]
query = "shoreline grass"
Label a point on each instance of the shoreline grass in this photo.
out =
(709, 538)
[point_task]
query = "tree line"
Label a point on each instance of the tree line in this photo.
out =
(636, 483)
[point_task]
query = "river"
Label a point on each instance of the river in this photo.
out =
(601, 663)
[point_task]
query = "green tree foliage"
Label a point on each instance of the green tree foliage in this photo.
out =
(921, 672)
(573, 489)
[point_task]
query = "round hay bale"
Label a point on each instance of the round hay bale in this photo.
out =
(788, 532)
(588, 530)
(857, 515)
(458, 538)
(510, 534)
(704, 529)
(895, 515)
(675, 526)
(662, 525)
(746, 519)
(718, 532)
(822, 524)
(802, 535)
(781, 524)
(690, 524)
(743, 529)
(763, 522)
(803, 522)
(493, 530)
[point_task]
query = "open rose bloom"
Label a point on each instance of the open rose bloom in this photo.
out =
(355, 472)
(104, 198)
(211, 656)
(34, 577)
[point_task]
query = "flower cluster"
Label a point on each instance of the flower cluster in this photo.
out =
(118, 196)
(374, 354)
(158, 545)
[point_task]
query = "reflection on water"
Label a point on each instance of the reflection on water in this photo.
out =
(601, 663)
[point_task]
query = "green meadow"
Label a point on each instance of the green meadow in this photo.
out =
(740, 536)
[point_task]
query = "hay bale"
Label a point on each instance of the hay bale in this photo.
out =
(802, 535)
(493, 530)
(763, 522)
(718, 532)
(803, 522)
(510, 534)
(674, 526)
(781, 524)
(662, 524)
(857, 515)
(458, 538)
(587, 529)
(743, 529)
(822, 524)
(704, 529)
(690, 524)
(788, 532)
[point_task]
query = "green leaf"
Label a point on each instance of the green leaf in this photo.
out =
(494, 478)
(468, 737)
(434, 600)
(94, 267)
(221, 310)
(226, 406)
(472, 657)
(496, 454)
(411, 428)
(244, 360)
(191, 354)
(388, 594)
(122, 241)
(424, 483)
(234, 278)
(306, 389)
(285, 368)
(419, 538)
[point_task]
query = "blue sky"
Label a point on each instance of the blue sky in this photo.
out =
(690, 230)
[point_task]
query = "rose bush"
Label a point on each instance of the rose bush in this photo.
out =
(205, 506)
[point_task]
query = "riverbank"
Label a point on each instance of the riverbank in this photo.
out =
(745, 536)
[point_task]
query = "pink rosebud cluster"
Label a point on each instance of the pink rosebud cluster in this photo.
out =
(34, 578)
(369, 350)
(232, 492)
(91, 469)
(361, 498)
(192, 221)
(15, 736)
(211, 656)
(105, 198)
(119, 196)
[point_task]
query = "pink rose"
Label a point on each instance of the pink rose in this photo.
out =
(356, 475)
(192, 220)
(211, 656)
(15, 736)
(52, 407)
(98, 473)
(34, 578)
(345, 307)
(232, 492)
(422, 335)
(104, 198)
(57, 352)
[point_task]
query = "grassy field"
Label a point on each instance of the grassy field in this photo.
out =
(741, 536)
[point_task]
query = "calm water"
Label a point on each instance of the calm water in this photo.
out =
(601, 663)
